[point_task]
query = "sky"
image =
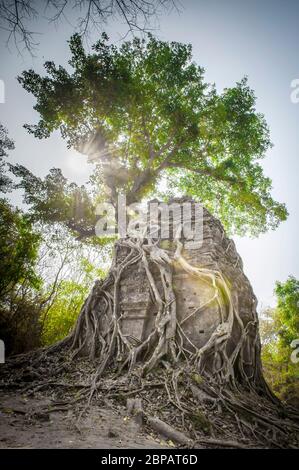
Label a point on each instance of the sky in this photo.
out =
(230, 39)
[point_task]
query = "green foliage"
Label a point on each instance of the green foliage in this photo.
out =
(45, 275)
(19, 281)
(20, 328)
(5, 144)
(288, 310)
(148, 100)
(116, 89)
(59, 318)
(69, 268)
(18, 249)
(279, 328)
(54, 199)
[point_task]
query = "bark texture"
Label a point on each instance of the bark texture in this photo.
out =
(173, 329)
(175, 300)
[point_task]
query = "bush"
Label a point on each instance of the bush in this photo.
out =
(19, 282)
(59, 317)
(279, 328)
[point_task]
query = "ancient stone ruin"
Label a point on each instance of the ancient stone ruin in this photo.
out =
(173, 331)
(196, 313)
(174, 298)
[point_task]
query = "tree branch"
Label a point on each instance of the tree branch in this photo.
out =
(17, 15)
(82, 232)
(206, 171)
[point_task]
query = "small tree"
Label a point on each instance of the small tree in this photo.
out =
(19, 313)
(280, 335)
(5, 144)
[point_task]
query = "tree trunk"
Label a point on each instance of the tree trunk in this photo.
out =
(165, 301)
(175, 324)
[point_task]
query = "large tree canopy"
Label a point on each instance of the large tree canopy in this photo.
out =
(143, 111)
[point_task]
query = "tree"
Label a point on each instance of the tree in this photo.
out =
(45, 276)
(17, 16)
(280, 335)
(144, 111)
(19, 243)
(18, 248)
(19, 312)
(60, 315)
(68, 268)
(288, 310)
(54, 199)
(35, 256)
(5, 144)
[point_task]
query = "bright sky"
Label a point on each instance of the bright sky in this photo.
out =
(230, 39)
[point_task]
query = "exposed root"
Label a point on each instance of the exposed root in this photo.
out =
(98, 330)
(213, 395)
(180, 404)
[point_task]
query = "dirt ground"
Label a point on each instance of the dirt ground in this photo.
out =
(32, 423)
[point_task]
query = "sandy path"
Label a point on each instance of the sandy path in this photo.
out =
(24, 424)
